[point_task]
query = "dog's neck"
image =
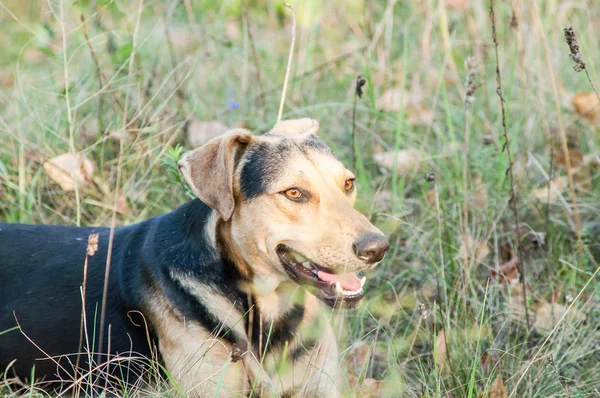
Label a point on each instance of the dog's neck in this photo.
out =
(271, 295)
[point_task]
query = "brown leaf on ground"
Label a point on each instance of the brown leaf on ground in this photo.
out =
(122, 206)
(393, 99)
(430, 197)
(358, 355)
(547, 316)
(575, 157)
(478, 249)
(407, 161)
(369, 387)
(183, 39)
(556, 187)
(364, 388)
(232, 30)
(200, 132)
(6, 79)
(456, 4)
(586, 104)
(479, 198)
(507, 271)
(383, 200)
(441, 348)
(70, 170)
(515, 301)
(497, 389)
(366, 360)
(33, 55)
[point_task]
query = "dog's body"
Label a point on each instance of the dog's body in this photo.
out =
(214, 292)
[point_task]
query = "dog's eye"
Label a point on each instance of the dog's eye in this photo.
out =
(293, 193)
(349, 184)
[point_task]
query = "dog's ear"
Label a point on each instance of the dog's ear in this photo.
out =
(209, 170)
(294, 127)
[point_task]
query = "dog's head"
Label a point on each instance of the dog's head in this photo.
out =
(287, 203)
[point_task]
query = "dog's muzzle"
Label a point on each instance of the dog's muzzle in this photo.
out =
(336, 290)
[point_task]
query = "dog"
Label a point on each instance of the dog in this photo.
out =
(228, 293)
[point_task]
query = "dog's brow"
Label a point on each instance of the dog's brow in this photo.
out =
(262, 166)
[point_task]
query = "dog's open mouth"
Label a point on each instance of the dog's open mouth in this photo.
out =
(336, 290)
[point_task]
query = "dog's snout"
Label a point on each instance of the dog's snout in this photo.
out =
(371, 248)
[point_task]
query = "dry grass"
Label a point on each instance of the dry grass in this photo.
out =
(438, 319)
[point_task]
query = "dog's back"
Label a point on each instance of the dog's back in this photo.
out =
(41, 274)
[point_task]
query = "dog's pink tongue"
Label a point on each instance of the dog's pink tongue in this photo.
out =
(348, 281)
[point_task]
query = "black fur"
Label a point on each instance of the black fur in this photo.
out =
(264, 163)
(275, 334)
(41, 271)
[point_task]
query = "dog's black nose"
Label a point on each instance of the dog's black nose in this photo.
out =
(371, 248)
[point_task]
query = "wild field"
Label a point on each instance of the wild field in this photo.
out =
(476, 143)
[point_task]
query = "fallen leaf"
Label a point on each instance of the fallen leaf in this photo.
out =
(497, 389)
(586, 104)
(576, 158)
(6, 79)
(507, 271)
(70, 170)
(200, 132)
(480, 198)
(358, 355)
(430, 197)
(122, 206)
(407, 161)
(183, 39)
(392, 100)
(456, 4)
(547, 316)
(441, 348)
(33, 55)
(232, 30)
(418, 114)
(516, 303)
(382, 201)
(369, 387)
(471, 247)
(366, 360)
(555, 188)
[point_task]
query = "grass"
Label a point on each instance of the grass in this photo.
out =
(54, 102)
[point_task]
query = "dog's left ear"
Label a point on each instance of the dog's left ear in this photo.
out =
(209, 170)
(295, 127)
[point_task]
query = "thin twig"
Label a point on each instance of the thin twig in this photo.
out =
(430, 177)
(471, 87)
(115, 203)
(261, 97)
(563, 137)
(289, 64)
(358, 92)
(560, 380)
(68, 103)
(101, 76)
(513, 198)
(91, 249)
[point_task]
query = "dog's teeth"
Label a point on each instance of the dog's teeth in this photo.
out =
(306, 264)
(338, 287)
(362, 281)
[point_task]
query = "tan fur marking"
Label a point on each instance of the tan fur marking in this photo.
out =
(194, 357)
(323, 229)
